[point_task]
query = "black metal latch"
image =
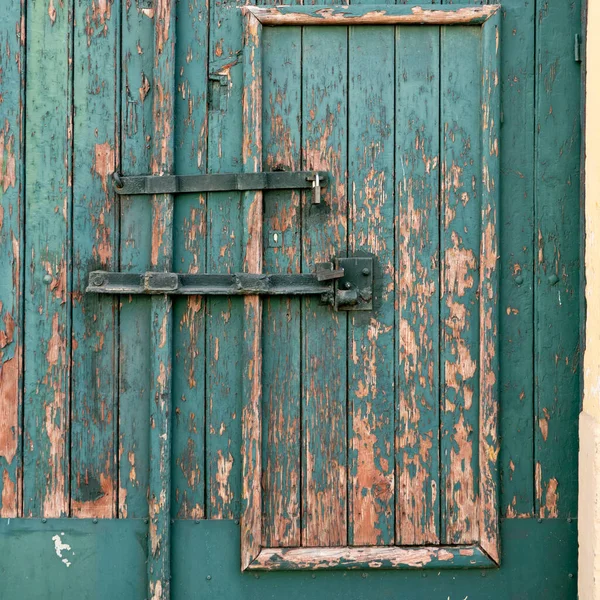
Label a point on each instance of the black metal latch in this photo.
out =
(344, 283)
(222, 182)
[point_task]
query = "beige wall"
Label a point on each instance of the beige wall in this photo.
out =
(589, 424)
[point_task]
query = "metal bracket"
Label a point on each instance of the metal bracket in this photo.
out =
(344, 283)
(222, 182)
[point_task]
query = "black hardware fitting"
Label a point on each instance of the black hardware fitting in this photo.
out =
(345, 283)
(222, 182)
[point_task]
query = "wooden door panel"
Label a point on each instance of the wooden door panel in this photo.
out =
(381, 451)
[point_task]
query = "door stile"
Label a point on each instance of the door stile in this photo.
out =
(252, 210)
(161, 346)
(489, 533)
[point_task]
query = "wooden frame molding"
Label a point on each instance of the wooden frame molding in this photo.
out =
(486, 553)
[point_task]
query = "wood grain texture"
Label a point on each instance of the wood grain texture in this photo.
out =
(460, 239)
(281, 316)
(189, 256)
(557, 287)
(371, 493)
(135, 225)
(95, 221)
(47, 297)
(418, 296)
(12, 168)
(324, 230)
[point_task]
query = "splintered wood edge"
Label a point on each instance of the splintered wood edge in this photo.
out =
(393, 15)
(372, 557)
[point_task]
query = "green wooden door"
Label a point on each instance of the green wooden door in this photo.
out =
(161, 444)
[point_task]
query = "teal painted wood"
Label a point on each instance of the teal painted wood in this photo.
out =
(281, 316)
(517, 255)
(460, 238)
(418, 295)
(557, 287)
(370, 360)
(135, 228)
(96, 92)
(189, 256)
(47, 297)
(161, 312)
(224, 316)
(12, 157)
(324, 230)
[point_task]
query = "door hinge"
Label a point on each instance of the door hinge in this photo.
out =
(577, 48)
(344, 283)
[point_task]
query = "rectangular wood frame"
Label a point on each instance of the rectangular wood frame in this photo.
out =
(254, 556)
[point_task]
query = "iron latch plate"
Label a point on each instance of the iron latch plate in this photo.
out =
(354, 291)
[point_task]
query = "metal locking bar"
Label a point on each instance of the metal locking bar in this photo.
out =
(345, 283)
(222, 182)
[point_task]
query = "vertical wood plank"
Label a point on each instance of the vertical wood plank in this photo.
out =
(371, 335)
(557, 227)
(12, 86)
(281, 316)
(224, 316)
(489, 447)
(189, 256)
(517, 252)
(324, 231)
(460, 239)
(135, 242)
(48, 250)
(94, 357)
(161, 340)
(252, 210)
(417, 172)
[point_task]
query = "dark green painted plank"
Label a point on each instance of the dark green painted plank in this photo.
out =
(12, 157)
(418, 298)
(224, 316)
(324, 230)
(189, 256)
(94, 479)
(371, 493)
(47, 279)
(208, 566)
(460, 216)
(281, 316)
(135, 229)
(74, 559)
(517, 256)
(557, 230)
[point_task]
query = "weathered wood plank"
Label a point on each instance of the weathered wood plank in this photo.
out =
(47, 281)
(517, 252)
(460, 240)
(161, 312)
(324, 231)
(557, 230)
(95, 220)
(189, 256)
(489, 446)
(135, 242)
(371, 335)
(224, 316)
(281, 316)
(451, 14)
(417, 275)
(12, 163)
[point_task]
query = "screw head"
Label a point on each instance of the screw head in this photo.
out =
(97, 279)
(553, 280)
(94, 520)
(571, 575)
(44, 520)
(366, 271)
(347, 285)
(364, 575)
(519, 279)
(47, 278)
(208, 577)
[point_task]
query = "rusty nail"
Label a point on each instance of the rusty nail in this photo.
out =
(47, 279)
(553, 280)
